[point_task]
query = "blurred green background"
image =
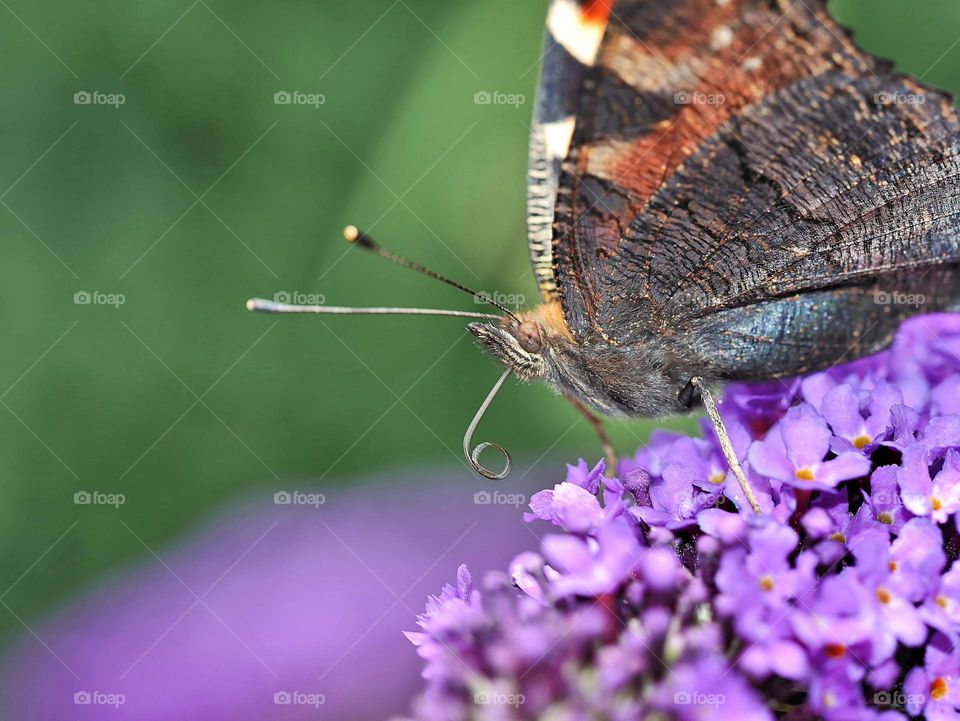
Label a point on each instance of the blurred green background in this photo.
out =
(200, 191)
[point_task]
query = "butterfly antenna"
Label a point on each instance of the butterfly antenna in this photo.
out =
(263, 305)
(473, 454)
(362, 240)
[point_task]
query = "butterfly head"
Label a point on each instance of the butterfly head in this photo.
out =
(608, 378)
(526, 343)
(518, 344)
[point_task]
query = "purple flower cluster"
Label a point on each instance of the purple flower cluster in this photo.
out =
(660, 594)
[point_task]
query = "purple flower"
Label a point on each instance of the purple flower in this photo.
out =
(838, 627)
(945, 398)
(573, 505)
(674, 499)
(569, 506)
(703, 460)
(942, 609)
(760, 572)
(661, 595)
(722, 525)
(916, 559)
(858, 423)
(830, 520)
(897, 615)
(758, 587)
(934, 689)
(794, 451)
(585, 477)
(905, 422)
(758, 406)
(705, 688)
(834, 698)
(884, 501)
(452, 616)
(592, 567)
(937, 497)
(942, 433)
(651, 458)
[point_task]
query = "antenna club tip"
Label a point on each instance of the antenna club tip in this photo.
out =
(351, 233)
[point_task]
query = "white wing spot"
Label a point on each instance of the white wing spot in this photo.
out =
(567, 25)
(721, 38)
(558, 135)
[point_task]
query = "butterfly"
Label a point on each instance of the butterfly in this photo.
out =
(718, 190)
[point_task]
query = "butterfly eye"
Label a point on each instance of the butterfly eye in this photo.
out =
(528, 335)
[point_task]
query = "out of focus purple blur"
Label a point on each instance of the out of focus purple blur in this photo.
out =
(277, 610)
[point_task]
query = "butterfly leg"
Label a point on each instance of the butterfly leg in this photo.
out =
(597, 424)
(695, 386)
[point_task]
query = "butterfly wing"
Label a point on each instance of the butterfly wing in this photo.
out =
(730, 153)
(573, 35)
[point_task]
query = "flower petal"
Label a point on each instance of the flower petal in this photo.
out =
(843, 468)
(766, 460)
(805, 436)
(841, 409)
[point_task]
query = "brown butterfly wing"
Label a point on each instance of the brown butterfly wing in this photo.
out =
(731, 152)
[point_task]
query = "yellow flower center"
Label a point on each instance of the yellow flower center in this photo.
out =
(943, 602)
(885, 517)
(838, 537)
(861, 441)
(718, 478)
(936, 503)
(893, 566)
(883, 595)
(766, 583)
(804, 474)
(938, 689)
